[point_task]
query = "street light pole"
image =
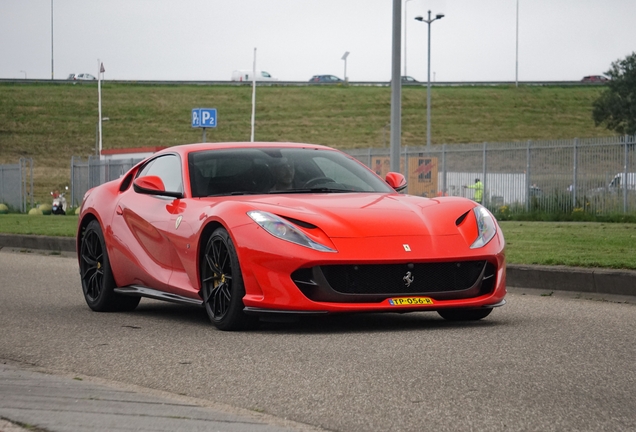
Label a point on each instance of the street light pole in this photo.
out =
(97, 146)
(52, 74)
(406, 2)
(517, 50)
(344, 57)
(428, 83)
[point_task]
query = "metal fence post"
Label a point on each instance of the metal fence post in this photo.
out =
(31, 175)
(72, 180)
(444, 188)
(406, 162)
(527, 186)
(483, 170)
(23, 186)
(25, 174)
(625, 170)
(1, 183)
(575, 172)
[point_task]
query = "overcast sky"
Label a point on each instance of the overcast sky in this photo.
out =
(295, 39)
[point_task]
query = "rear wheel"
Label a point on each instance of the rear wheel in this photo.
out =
(98, 283)
(464, 314)
(222, 284)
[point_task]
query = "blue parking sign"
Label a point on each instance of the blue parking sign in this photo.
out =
(204, 117)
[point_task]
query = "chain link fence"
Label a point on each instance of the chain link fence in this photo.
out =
(91, 172)
(561, 176)
(579, 175)
(16, 185)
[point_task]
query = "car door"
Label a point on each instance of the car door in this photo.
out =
(146, 221)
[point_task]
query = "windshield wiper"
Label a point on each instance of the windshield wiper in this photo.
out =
(311, 190)
(235, 193)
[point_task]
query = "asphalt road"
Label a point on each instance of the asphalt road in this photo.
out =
(542, 362)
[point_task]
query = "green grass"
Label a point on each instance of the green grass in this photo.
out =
(580, 244)
(53, 122)
(48, 225)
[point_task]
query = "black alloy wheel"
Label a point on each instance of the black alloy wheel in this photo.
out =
(222, 284)
(98, 283)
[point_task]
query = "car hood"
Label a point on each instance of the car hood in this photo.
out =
(368, 215)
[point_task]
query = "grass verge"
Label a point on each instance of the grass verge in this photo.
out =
(580, 244)
(47, 225)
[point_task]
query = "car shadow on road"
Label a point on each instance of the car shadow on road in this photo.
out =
(195, 315)
(317, 324)
(369, 323)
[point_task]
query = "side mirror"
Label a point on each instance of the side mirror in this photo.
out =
(153, 185)
(396, 181)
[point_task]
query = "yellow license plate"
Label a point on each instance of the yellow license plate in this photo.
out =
(410, 301)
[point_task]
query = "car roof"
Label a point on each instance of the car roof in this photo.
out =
(188, 148)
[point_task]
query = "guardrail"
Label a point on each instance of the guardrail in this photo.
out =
(304, 83)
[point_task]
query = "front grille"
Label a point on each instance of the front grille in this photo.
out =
(393, 278)
(376, 282)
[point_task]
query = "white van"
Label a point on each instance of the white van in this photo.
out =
(246, 75)
(619, 182)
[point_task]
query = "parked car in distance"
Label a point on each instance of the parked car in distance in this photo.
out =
(594, 78)
(246, 75)
(325, 78)
(409, 79)
(81, 77)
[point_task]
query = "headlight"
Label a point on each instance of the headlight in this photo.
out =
(280, 228)
(486, 226)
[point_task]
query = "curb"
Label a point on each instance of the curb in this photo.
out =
(549, 278)
(54, 244)
(578, 279)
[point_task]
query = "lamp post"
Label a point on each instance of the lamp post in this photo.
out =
(344, 57)
(52, 74)
(97, 146)
(428, 82)
(517, 50)
(406, 2)
(25, 75)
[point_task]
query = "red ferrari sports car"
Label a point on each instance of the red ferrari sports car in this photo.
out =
(249, 229)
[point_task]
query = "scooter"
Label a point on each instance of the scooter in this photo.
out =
(58, 207)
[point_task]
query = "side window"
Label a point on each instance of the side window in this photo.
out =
(168, 169)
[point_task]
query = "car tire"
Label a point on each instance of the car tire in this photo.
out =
(98, 283)
(222, 284)
(464, 314)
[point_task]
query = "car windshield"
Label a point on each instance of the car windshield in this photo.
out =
(248, 171)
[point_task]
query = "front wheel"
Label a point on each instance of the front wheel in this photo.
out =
(222, 284)
(98, 283)
(464, 314)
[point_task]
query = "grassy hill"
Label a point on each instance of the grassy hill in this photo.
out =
(52, 122)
